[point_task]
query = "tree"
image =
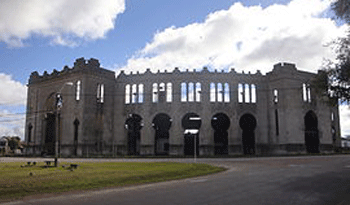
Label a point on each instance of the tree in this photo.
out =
(341, 9)
(14, 143)
(334, 80)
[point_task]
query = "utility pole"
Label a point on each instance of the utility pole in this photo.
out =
(59, 104)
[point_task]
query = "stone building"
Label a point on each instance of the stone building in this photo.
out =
(88, 110)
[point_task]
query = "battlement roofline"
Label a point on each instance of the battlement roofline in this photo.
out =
(91, 66)
(279, 68)
(283, 69)
(177, 71)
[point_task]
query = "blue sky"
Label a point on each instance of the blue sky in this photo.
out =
(39, 35)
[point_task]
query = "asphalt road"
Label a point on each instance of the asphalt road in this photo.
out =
(291, 180)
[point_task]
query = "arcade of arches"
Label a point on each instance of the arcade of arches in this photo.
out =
(191, 123)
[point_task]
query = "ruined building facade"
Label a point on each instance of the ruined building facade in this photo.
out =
(175, 113)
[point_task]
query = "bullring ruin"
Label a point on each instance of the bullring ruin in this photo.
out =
(88, 111)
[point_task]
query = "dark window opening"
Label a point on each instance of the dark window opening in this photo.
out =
(76, 126)
(30, 127)
(276, 121)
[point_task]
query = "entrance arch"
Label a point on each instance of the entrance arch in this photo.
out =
(161, 123)
(50, 134)
(312, 140)
(248, 124)
(50, 123)
(191, 123)
(134, 124)
(220, 123)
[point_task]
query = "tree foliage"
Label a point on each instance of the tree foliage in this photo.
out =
(334, 80)
(341, 9)
(14, 143)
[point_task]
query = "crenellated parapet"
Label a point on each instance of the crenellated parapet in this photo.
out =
(91, 66)
(177, 74)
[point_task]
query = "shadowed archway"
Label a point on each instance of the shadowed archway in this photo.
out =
(50, 124)
(161, 123)
(134, 124)
(312, 141)
(191, 123)
(220, 123)
(248, 124)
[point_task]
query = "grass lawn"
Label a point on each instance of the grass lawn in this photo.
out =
(17, 182)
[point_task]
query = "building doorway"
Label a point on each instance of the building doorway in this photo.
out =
(312, 141)
(191, 123)
(134, 124)
(161, 123)
(248, 125)
(220, 123)
(50, 134)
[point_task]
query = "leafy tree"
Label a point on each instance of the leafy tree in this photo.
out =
(341, 9)
(14, 143)
(334, 81)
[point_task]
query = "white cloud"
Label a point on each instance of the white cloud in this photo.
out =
(11, 124)
(64, 21)
(247, 38)
(12, 92)
(13, 95)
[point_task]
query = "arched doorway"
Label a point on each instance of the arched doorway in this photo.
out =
(50, 125)
(161, 123)
(248, 125)
(220, 123)
(312, 140)
(76, 134)
(50, 134)
(191, 123)
(134, 124)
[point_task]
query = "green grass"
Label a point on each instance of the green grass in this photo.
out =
(17, 182)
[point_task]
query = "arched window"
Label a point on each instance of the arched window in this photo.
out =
(140, 93)
(253, 93)
(77, 92)
(169, 92)
(127, 94)
(246, 93)
(198, 92)
(161, 87)
(226, 92)
(212, 92)
(332, 117)
(100, 93)
(30, 127)
(183, 92)
(155, 93)
(240, 93)
(134, 94)
(220, 92)
(306, 92)
(190, 92)
(275, 96)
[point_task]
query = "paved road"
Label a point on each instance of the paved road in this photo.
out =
(292, 180)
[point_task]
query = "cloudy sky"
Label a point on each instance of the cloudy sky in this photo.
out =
(40, 35)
